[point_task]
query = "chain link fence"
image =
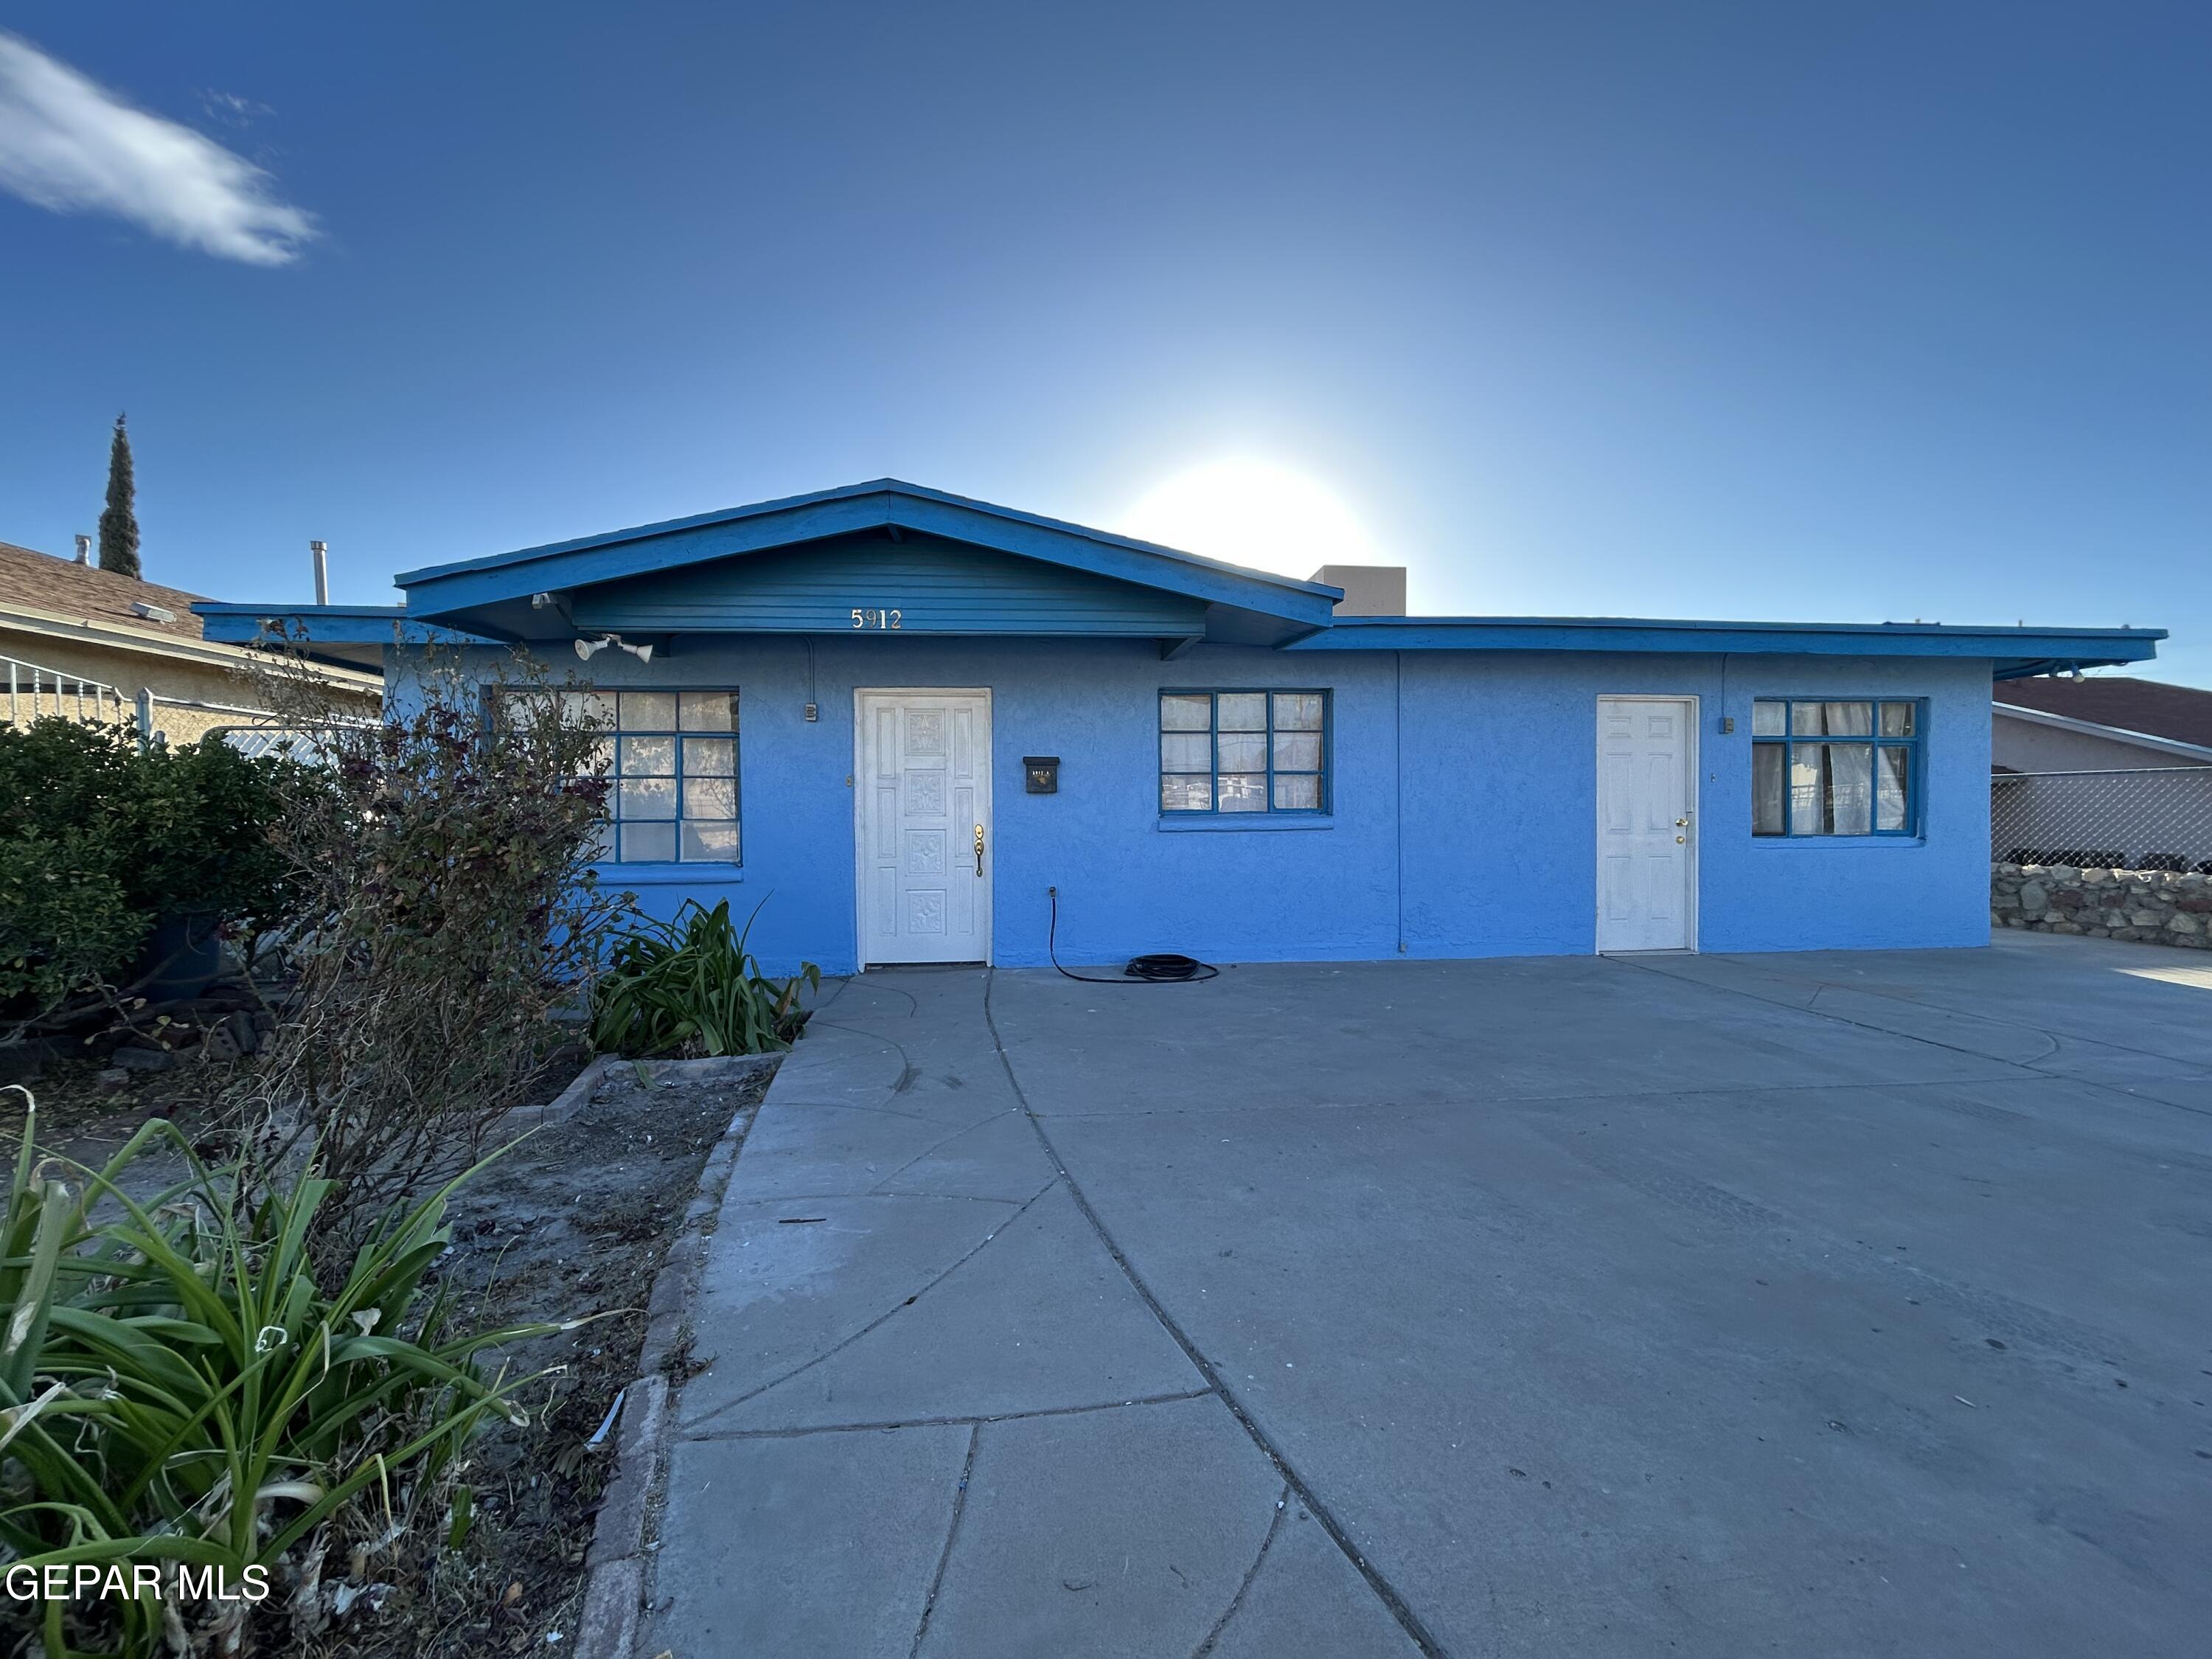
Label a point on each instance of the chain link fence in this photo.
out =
(2148, 818)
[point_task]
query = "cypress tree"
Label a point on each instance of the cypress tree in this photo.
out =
(118, 524)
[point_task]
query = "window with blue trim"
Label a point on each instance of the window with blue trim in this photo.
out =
(670, 762)
(1835, 767)
(1244, 751)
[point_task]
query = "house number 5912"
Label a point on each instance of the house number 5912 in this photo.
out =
(874, 618)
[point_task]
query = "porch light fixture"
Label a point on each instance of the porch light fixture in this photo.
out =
(587, 649)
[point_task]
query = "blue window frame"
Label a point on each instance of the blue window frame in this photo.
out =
(1836, 766)
(1244, 751)
(670, 758)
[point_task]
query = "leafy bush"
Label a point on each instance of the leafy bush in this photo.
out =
(176, 1391)
(689, 986)
(447, 912)
(98, 838)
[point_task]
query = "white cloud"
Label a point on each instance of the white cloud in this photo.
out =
(70, 144)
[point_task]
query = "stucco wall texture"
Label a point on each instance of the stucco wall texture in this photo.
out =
(1463, 792)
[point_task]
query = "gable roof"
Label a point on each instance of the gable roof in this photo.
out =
(2152, 708)
(31, 580)
(794, 565)
(484, 593)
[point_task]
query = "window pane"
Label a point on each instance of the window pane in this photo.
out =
(1186, 714)
(1187, 794)
(601, 762)
(1897, 720)
(1297, 751)
(1850, 720)
(707, 711)
(1186, 751)
(1241, 751)
(1244, 792)
(1892, 781)
(710, 757)
(647, 711)
(1297, 794)
(710, 797)
(1242, 711)
(652, 843)
(711, 841)
(1298, 711)
(1766, 771)
(648, 798)
(1808, 787)
(648, 757)
(1805, 718)
(1767, 719)
(1831, 787)
(602, 844)
(597, 706)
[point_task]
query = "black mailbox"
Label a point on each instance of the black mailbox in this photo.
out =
(1042, 774)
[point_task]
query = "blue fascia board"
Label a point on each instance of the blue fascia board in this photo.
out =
(2017, 651)
(451, 589)
(231, 624)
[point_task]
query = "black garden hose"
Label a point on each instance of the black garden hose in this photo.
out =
(1163, 968)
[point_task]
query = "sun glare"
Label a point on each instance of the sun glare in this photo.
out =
(1253, 514)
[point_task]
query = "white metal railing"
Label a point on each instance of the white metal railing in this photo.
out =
(38, 693)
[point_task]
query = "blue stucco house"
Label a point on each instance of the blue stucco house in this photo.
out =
(911, 718)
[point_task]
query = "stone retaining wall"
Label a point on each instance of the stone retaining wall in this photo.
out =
(2160, 906)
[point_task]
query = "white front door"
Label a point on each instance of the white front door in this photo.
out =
(922, 817)
(1647, 837)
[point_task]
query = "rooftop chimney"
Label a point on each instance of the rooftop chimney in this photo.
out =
(1370, 590)
(322, 552)
(84, 550)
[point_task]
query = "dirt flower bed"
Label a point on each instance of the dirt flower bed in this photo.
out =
(570, 1224)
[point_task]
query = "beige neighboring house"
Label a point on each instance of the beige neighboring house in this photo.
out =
(2101, 723)
(88, 644)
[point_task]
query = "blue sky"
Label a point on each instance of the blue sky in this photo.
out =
(1865, 311)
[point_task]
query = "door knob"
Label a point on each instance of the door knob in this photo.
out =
(979, 851)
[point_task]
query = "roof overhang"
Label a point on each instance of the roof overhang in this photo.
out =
(353, 635)
(212, 649)
(494, 596)
(2014, 653)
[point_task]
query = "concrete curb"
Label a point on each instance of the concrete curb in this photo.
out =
(615, 1567)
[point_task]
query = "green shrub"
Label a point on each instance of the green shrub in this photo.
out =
(689, 986)
(99, 838)
(176, 1391)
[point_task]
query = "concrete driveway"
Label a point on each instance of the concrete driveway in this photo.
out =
(1815, 1305)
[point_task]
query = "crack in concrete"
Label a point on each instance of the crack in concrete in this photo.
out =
(1384, 1103)
(951, 1535)
(955, 1422)
(836, 1348)
(811, 1198)
(1387, 1592)
(938, 1147)
(2198, 1072)
(1213, 1638)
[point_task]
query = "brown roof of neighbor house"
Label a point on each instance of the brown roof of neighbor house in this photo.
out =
(39, 581)
(2182, 713)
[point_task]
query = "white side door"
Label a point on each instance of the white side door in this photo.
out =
(1647, 837)
(922, 822)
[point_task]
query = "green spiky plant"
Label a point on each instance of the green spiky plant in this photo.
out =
(689, 986)
(176, 1390)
